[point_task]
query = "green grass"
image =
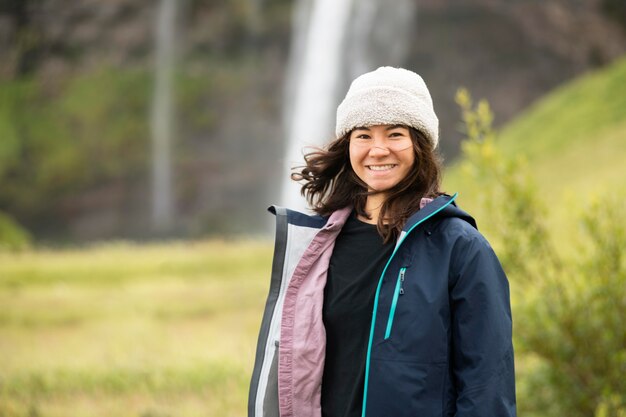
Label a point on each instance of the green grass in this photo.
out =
(583, 110)
(574, 142)
(131, 330)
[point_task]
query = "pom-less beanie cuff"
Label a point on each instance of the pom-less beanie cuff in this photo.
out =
(388, 96)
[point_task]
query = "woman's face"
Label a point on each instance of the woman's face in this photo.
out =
(382, 155)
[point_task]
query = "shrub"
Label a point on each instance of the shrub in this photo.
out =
(12, 235)
(568, 313)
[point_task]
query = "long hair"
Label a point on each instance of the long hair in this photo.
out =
(330, 183)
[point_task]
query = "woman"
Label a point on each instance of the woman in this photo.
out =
(389, 303)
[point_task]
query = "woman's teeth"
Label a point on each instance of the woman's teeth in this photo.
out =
(381, 167)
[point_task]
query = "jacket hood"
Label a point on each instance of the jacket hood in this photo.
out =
(441, 207)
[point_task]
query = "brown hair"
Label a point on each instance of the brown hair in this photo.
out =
(331, 184)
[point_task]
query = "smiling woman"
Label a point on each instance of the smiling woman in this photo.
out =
(381, 156)
(389, 302)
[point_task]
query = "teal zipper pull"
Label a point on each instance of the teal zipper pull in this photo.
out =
(394, 302)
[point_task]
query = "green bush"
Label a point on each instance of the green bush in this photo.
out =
(56, 144)
(66, 144)
(568, 313)
(12, 236)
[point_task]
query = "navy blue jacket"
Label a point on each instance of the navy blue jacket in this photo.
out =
(441, 333)
(440, 342)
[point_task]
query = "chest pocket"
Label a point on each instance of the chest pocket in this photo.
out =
(397, 292)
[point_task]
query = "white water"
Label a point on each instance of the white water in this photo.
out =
(379, 34)
(333, 42)
(314, 74)
(162, 118)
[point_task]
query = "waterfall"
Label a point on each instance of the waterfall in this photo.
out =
(333, 42)
(319, 29)
(378, 35)
(162, 122)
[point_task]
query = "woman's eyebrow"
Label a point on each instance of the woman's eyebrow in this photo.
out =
(393, 127)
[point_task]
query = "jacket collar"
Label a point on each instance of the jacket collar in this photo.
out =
(442, 206)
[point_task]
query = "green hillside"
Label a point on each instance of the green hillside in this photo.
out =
(574, 140)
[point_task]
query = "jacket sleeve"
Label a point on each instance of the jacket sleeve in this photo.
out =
(482, 349)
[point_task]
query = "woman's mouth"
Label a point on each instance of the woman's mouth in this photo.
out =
(381, 167)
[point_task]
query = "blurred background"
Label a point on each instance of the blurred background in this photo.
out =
(141, 142)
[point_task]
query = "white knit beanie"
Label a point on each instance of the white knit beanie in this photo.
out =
(388, 96)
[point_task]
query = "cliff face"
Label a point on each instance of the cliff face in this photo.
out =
(57, 38)
(509, 52)
(231, 60)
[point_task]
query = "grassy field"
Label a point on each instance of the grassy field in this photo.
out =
(122, 330)
(128, 330)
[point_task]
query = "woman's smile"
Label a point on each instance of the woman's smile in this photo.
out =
(381, 168)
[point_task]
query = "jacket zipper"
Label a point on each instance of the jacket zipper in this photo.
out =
(394, 303)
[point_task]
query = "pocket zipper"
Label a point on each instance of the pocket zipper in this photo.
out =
(399, 290)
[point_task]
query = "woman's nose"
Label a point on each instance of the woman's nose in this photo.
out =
(379, 147)
(378, 150)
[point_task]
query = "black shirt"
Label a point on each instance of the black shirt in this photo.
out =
(358, 259)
